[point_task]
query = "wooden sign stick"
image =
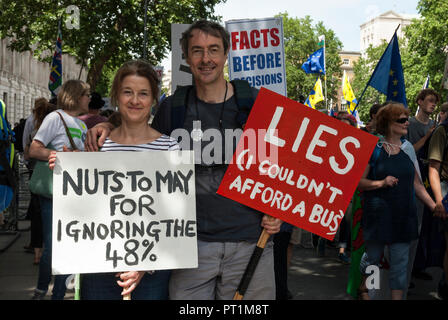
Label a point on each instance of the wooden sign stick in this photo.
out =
(250, 269)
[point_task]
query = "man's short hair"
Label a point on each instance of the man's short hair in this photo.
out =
(427, 92)
(208, 27)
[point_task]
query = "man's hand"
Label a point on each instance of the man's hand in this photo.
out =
(101, 130)
(270, 224)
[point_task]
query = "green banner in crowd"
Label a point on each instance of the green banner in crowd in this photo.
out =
(357, 247)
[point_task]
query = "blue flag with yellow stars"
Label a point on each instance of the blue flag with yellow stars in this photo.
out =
(315, 62)
(388, 77)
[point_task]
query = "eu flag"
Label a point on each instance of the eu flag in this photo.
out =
(315, 63)
(55, 82)
(388, 77)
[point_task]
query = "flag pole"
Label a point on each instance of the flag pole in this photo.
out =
(145, 37)
(343, 79)
(360, 98)
(251, 266)
(325, 75)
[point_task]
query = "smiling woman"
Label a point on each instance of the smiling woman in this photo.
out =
(135, 91)
(135, 100)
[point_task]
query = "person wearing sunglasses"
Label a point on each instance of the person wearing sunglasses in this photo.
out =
(390, 184)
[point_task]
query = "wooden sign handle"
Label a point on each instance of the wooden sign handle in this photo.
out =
(250, 269)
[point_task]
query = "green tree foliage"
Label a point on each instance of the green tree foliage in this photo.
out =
(427, 48)
(301, 40)
(109, 33)
(423, 52)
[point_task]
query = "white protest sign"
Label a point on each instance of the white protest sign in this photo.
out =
(180, 70)
(123, 211)
(257, 53)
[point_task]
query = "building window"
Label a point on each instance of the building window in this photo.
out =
(346, 62)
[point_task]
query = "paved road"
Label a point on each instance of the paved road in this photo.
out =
(310, 277)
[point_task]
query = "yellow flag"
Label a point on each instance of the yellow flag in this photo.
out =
(349, 96)
(316, 95)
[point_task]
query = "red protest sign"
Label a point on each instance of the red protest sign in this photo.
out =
(297, 164)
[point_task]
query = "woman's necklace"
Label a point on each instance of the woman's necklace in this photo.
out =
(389, 147)
(196, 133)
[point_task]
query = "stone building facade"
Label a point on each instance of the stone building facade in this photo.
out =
(23, 79)
(381, 28)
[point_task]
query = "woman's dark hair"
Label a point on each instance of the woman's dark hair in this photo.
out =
(41, 109)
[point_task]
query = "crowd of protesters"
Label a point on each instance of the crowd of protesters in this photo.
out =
(396, 227)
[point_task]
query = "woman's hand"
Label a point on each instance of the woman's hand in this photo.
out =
(129, 280)
(52, 160)
(270, 224)
(52, 156)
(390, 181)
(101, 130)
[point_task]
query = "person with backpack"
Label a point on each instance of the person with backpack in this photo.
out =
(227, 231)
(41, 109)
(389, 185)
(8, 178)
(62, 131)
